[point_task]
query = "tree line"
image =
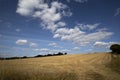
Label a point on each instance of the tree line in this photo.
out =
(46, 55)
(115, 49)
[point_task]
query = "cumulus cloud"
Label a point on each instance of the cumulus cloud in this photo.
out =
(33, 45)
(50, 15)
(61, 24)
(102, 29)
(26, 42)
(104, 44)
(44, 49)
(101, 44)
(117, 12)
(67, 13)
(51, 51)
(88, 26)
(26, 7)
(21, 42)
(67, 34)
(80, 37)
(53, 44)
(76, 48)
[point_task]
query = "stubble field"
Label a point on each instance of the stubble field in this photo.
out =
(66, 67)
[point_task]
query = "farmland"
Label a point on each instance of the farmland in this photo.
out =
(65, 67)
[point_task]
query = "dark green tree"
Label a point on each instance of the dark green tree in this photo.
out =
(115, 48)
(60, 53)
(65, 53)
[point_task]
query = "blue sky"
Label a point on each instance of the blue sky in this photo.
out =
(31, 27)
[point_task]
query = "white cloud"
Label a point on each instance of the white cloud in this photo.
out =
(26, 7)
(67, 13)
(35, 49)
(104, 44)
(33, 45)
(17, 30)
(101, 44)
(90, 49)
(80, 37)
(76, 48)
(21, 42)
(53, 44)
(81, 1)
(26, 42)
(66, 32)
(49, 14)
(110, 43)
(56, 35)
(62, 24)
(117, 12)
(44, 49)
(88, 26)
(102, 29)
(50, 51)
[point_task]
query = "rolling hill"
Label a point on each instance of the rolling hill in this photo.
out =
(66, 67)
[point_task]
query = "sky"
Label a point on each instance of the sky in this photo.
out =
(32, 27)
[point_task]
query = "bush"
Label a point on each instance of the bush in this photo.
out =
(24, 57)
(49, 55)
(65, 53)
(39, 56)
(60, 53)
(115, 48)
